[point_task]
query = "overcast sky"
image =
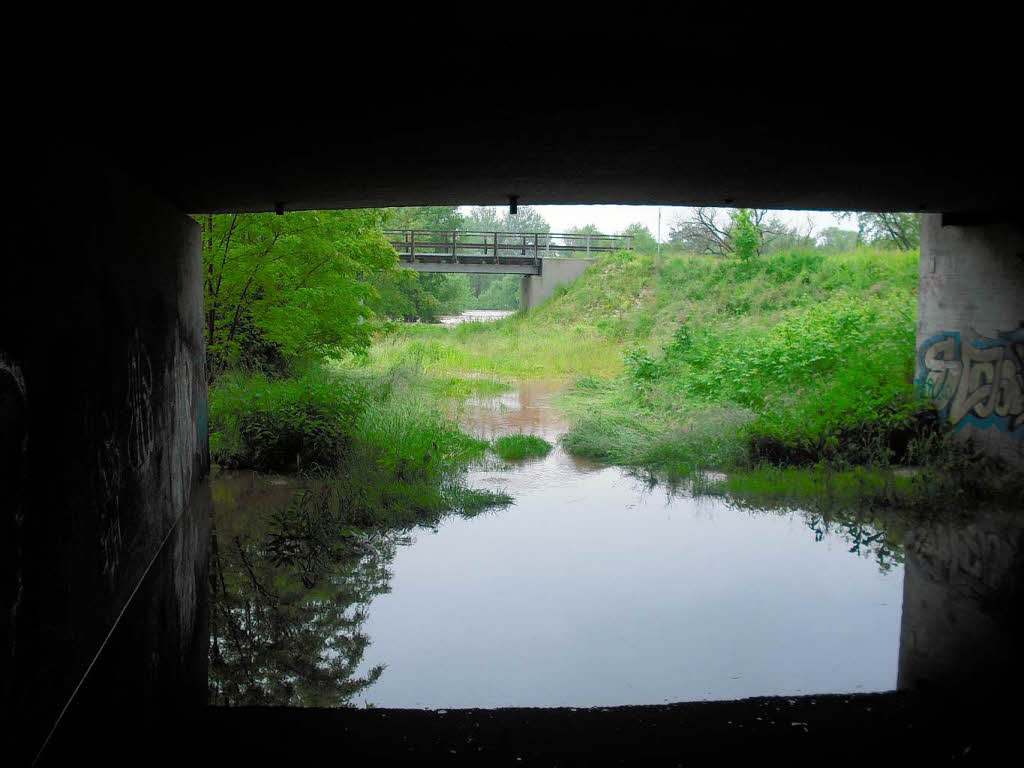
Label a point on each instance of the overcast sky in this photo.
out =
(612, 219)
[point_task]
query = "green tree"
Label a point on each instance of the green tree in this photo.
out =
(437, 218)
(837, 240)
(282, 288)
(501, 293)
(898, 230)
(412, 296)
(711, 230)
(641, 238)
(484, 218)
(745, 235)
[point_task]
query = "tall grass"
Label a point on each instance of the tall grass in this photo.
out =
(584, 329)
(518, 447)
(381, 448)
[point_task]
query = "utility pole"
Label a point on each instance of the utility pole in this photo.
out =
(659, 238)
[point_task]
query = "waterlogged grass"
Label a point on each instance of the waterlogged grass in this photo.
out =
(459, 388)
(821, 488)
(621, 433)
(517, 447)
(513, 347)
(381, 448)
(585, 329)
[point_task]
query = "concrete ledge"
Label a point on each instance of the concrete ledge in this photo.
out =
(484, 269)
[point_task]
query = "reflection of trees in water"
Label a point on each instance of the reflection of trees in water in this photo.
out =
(876, 533)
(866, 538)
(288, 606)
(870, 530)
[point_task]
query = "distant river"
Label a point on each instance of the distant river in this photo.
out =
(476, 316)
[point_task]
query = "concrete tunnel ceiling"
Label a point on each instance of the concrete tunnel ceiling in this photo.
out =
(572, 155)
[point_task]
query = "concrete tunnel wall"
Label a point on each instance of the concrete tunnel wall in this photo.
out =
(104, 441)
(535, 289)
(103, 417)
(970, 330)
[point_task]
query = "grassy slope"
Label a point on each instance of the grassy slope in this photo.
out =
(709, 362)
(582, 330)
(796, 358)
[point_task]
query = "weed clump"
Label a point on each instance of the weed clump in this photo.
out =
(517, 447)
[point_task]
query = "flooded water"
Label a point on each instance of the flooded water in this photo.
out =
(592, 589)
(476, 316)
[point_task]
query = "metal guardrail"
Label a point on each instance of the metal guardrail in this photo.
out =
(462, 247)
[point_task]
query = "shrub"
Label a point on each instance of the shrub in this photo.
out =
(279, 425)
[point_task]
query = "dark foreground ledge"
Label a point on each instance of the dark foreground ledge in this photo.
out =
(889, 728)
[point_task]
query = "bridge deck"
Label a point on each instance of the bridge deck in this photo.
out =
(521, 253)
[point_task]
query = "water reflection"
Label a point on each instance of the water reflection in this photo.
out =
(598, 587)
(962, 621)
(597, 590)
(289, 599)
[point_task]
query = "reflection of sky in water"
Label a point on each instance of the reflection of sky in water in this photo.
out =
(594, 590)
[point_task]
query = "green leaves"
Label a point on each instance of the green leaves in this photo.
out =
(282, 288)
(745, 234)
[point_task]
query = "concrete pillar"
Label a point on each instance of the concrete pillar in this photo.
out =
(104, 442)
(534, 290)
(970, 330)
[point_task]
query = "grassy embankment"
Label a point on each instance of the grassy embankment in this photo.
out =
(382, 452)
(795, 360)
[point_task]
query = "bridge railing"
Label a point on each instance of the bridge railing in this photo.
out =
(499, 247)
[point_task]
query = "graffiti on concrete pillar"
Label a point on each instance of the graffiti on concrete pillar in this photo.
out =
(980, 383)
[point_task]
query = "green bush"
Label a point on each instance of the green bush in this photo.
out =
(807, 357)
(285, 424)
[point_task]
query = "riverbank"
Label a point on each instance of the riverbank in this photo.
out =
(382, 450)
(701, 362)
(799, 360)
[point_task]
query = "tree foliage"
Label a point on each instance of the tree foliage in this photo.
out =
(745, 235)
(714, 230)
(891, 229)
(641, 238)
(412, 296)
(281, 288)
(502, 292)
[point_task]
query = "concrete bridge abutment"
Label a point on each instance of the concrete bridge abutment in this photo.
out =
(535, 289)
(104, 444)
(970, 328)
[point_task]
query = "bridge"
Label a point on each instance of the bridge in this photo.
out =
(516, 253)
